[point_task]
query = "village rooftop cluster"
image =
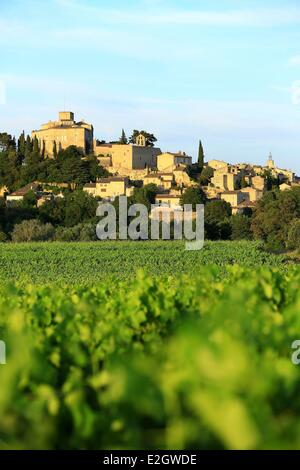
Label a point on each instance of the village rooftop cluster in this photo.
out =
(241, 185)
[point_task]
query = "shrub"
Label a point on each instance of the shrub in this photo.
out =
(3, 237)
(240, 227)
(78, 233)
(32, 231)
(293, 241)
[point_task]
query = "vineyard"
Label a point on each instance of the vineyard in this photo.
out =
(183, 362)
(86, 263)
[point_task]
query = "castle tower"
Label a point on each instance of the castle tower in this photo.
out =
(270, 162)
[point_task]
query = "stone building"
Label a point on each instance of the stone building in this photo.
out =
(163, 181)
(65, 132)
(108, 188)
(19, 195)
(169, 161)
(170, 200)
(233, 197)
(127, 157)
(227, 178)
(217, 164)
(181, 177)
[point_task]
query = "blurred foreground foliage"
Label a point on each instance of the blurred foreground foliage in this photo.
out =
(189, 363)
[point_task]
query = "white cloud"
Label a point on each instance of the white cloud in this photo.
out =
(295, 60)
(293, 91)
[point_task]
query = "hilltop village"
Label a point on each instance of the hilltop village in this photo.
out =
(140, 163)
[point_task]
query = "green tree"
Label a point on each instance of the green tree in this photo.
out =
(150, 138)
(194, 196)
(32, 230)
(206, 174)
(80, 207)
(30, 199)
(293, 240)
(240, 227)
(273, 215)
(217, 220)
(123, 139)
(200, 156)
(7, 142)
(55, 150)
(145, 195)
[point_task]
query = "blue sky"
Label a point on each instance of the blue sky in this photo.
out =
(227, 72)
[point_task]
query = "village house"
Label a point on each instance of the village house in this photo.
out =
(3, 191)
(226, 178)
(108, 188)
(234, 198)
(163, 181)
(18, 196)
(63, 133)
(258, 182)
(251, 194)
(217, 164)
(169, 161)
(170, 200)
(181, 177)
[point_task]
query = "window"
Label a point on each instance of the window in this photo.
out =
(103, 190)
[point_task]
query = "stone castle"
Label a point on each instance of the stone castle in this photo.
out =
(63, 133)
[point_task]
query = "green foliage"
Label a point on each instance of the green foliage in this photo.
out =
(7, 142)
(88, 263)
(78, 233)
(29, 199)
(150, 138)
(32, 230)
(217, 220)
(293, 240)
(3, 237)
(206, 175)
(200, 156)
(273, 215)
(194, 170)
(193, 196)
(123, 139)
(145, 195)
(240, 227)
(182, 363)
(272, 182)
(25, 163)
(75, 208)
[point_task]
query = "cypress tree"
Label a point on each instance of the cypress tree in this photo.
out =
(200, 155)
(54, 150)
(123, 139)
(36, 147)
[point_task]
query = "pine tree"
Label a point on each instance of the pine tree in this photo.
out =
(200, 156)
(123, 139)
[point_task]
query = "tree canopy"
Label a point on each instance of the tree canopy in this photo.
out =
(150, 138)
